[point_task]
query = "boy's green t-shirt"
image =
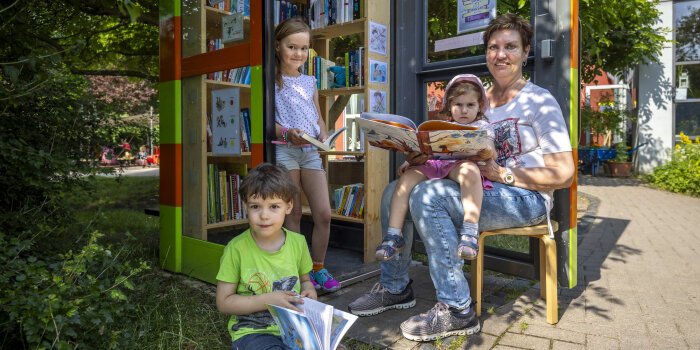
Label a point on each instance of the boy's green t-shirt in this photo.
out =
(256, 271)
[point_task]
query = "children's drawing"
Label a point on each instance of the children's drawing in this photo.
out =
(377, 38)
(377, 71)
(377, 100)
(227, 129)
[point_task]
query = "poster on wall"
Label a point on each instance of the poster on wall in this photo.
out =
(225, 120)
(377, 101)
(377, 72)
(474, 14)
(377, 38)
(232, 27)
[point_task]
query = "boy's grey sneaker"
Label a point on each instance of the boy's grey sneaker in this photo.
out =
(441, 322)
(379, 300)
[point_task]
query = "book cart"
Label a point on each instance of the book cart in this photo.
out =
(197, 65)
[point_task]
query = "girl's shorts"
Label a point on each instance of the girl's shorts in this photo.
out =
(298, 157)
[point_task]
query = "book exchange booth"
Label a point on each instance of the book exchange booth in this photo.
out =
(395, 57)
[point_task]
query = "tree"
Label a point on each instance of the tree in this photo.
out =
(617, 35)
(43, 39)
(688, 37)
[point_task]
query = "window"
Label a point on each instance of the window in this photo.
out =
(445, 41)
(687, 67)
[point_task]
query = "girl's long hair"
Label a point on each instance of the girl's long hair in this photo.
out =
(288, 27)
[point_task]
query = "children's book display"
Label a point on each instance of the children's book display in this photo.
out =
(223, 200)
(350, 200)
(441, 139)
(226, 130)
(323, 146)
(319, 327)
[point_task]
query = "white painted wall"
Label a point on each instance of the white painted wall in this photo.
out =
(655, 103)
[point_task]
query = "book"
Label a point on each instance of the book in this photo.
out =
(319, 327)
(441, 139)
(324, 146)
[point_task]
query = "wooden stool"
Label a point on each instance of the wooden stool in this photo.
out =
(548, 266)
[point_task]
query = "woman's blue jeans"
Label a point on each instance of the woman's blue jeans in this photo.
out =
(436, 210)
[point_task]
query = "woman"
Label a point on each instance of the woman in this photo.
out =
(533, 159)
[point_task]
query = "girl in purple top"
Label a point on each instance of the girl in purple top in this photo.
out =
(297, 111)
(465, 102)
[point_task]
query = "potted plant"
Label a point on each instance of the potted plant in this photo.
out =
(620, 165)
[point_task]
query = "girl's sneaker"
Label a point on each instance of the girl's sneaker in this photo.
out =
(324, 280)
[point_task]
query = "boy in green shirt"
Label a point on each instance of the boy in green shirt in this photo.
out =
(266, 264)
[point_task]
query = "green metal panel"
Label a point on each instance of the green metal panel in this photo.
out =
(573, 246)
(256, 104)
(170, 237)
(200, 259)
(573, 111)
(170, 112)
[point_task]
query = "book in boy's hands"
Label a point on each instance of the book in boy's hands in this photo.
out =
(319, 327)
(441, 139)
(324, 146)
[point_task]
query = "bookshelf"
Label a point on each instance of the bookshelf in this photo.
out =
(202, 24)
(369, 167)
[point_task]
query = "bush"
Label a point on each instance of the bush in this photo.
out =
(59, 288)
(682, 173)
(65, 301)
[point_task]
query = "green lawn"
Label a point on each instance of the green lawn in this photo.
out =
(171, 311)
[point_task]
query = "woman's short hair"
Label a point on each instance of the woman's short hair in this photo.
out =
(513, 22)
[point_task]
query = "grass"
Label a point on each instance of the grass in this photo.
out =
(169, 312)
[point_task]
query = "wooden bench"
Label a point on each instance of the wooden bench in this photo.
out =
(548, 266)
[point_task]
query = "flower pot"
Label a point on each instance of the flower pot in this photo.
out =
(620, 168)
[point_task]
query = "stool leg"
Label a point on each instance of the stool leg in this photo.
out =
(543, 270)
(551, 273)
(478, 271)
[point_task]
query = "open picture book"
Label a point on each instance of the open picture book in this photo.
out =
(319, 327)
(324, 146)
(442, 139)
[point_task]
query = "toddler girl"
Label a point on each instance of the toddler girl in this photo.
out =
(465, 102)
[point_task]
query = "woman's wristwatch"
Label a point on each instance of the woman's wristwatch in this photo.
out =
(508, 179)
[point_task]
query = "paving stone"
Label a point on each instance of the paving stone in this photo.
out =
(634, 340)
(503, 347)
(497, 324)
(595, 342)
(552, 332)
(560, 345)
(589, 328)
(524, 341)
(480, 341)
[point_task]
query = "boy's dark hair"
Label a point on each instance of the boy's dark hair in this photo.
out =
(268, 181)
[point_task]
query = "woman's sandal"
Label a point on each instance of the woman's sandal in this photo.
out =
(468, 246)
(390, 246)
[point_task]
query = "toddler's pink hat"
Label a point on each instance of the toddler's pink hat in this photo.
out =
(474, 79)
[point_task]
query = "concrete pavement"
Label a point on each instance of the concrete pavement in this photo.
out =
(638, 284)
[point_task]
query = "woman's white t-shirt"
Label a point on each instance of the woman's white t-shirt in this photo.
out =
(526, 128)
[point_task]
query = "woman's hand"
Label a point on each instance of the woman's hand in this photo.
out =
(294, 138)
(491, 170)
(489, 152)
(417, 158)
